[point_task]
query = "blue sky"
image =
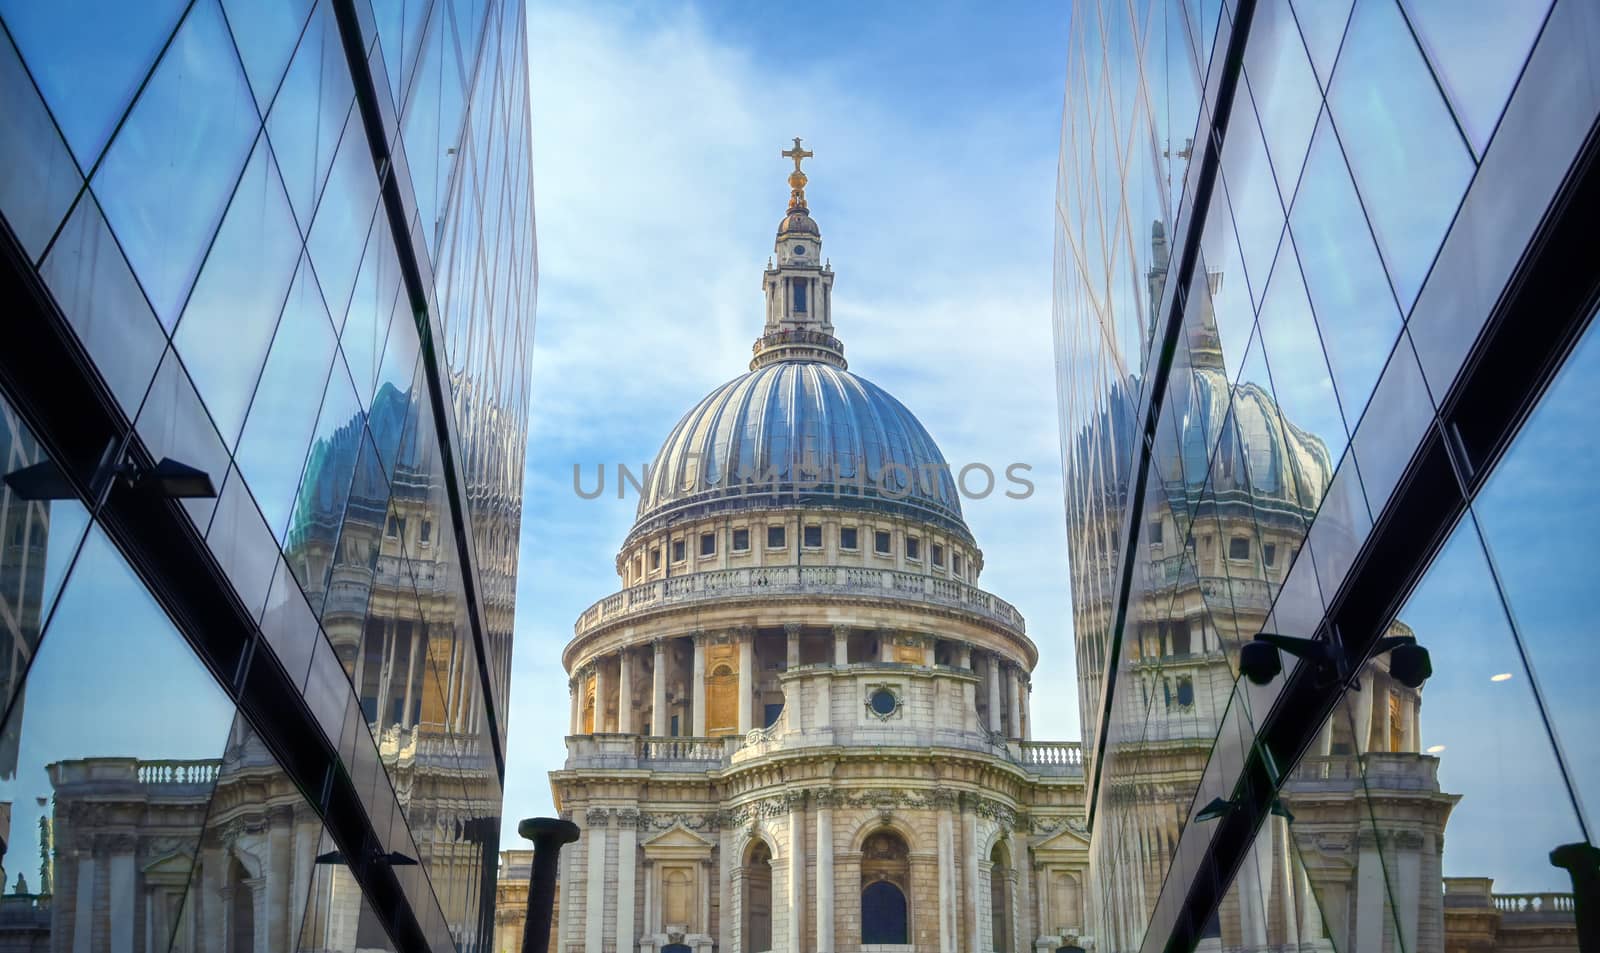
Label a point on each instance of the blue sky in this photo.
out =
(659, 187)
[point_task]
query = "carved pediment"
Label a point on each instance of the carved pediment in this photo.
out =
(170, 868)
(1065, 840)
(678, 842)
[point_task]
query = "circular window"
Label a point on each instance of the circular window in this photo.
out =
(883, 702)
(799, 249)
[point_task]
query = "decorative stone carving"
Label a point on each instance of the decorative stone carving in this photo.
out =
(597, 817)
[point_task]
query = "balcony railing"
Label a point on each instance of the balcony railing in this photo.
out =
(798, 580)
(1386, 770)
(695, 754)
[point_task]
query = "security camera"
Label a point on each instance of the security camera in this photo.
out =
(1409, 664)
(1259, 661)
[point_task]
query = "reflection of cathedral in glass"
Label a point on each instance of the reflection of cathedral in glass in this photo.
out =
(801, 725)
(262, 430)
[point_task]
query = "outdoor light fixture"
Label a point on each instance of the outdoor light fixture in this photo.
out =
(169, 478)
(1219, 808)
(393, 858)
(1409, 663)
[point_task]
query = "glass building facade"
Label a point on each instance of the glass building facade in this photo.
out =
(270, 275)
(1324, 287)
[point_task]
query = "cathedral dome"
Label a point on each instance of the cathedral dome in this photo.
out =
(795, 432)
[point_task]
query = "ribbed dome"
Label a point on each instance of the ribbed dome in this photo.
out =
(1257, 450)
(806, 422)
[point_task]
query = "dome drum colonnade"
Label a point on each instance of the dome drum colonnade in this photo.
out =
(801, 725)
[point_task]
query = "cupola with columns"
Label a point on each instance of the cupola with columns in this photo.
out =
(799, 287)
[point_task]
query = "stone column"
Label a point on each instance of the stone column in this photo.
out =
(841, 645)
(121, 873)
(599, 695)
(947, 874)
(964, 656)
(1022, 931)
(564, 911)
(595, 902)
(575, 689)
(1382, 691)
(725, 912)
(825, 873)
(1408, 726)
(797, 870)
(698, 688)
(627, 840)
(280, 874)
(1015, 671)
(1361, 711)
(660, 721)
(1027, 708)
(791, 634)
(1370, 891)
(994, 694)
(969, 862)
(747, 677)
(625, 691)
(885, 645)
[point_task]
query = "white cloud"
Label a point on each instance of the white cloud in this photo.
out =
(658, 190)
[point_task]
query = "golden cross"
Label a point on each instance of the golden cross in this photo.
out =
(797, 153)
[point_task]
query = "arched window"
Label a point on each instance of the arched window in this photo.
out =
(758, 899)
(885, 881)
(1000, 898)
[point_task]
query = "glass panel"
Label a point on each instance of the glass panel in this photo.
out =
(89, 57)
(1477, 49)
(1401, 410)
(338, 235)
(256, 857)
(355, 560)
(289, 626)
(266, 31)
(1284, 89)
(1350, 292)
(324, 487)
(278, 430)
(93, 286)
(1491, 744)
(1341, 526)
(228, 323)
(38, 539)
(173, 423)
(242, 544)
(1257, 213)
(1271, 904)
(310, 112)
(1541, 519)
(41, 178)
(120, 731)
(169, 173)
(1410, 164)
(1227, 293)
(433, 120)
(367, 322)
(1322, 23)
(1313, 429)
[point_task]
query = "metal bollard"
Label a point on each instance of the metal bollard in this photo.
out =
(549, 835)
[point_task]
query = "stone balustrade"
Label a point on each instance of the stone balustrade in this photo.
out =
(1535, 904)
(798, 580)
(1052, 757)
(1387, 770)
(179, 772)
